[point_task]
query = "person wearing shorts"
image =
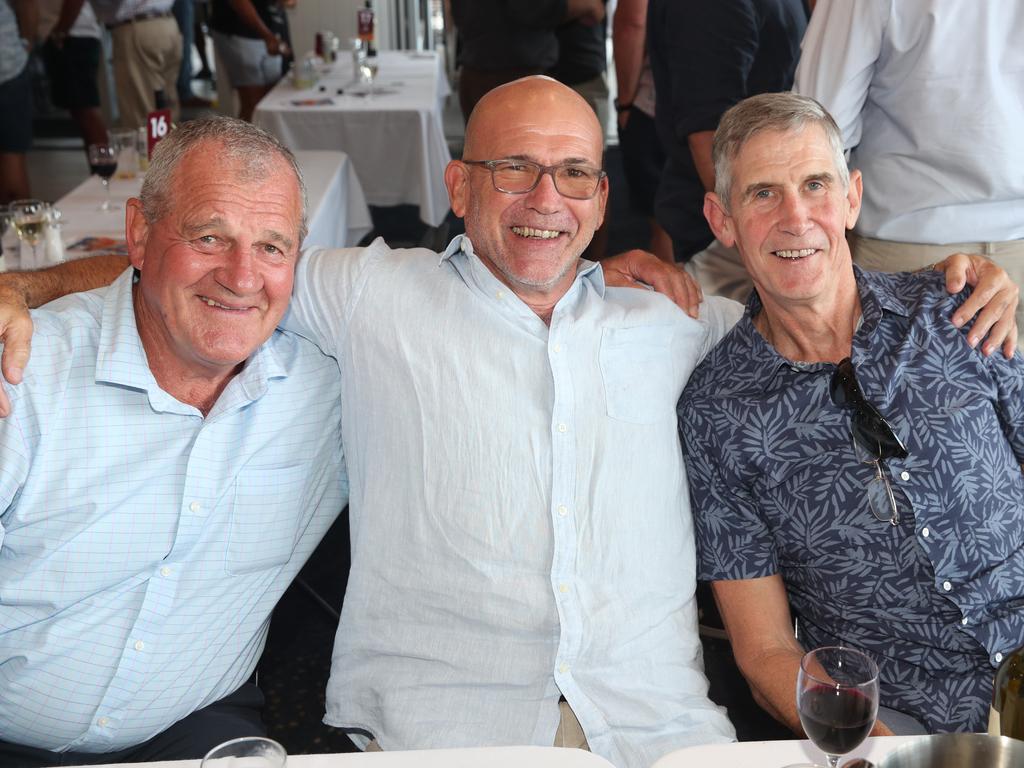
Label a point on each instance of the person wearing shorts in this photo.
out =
(250, 43)
(72, 54)
(15, 104)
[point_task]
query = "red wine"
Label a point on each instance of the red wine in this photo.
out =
(836, 720)
(106, 170)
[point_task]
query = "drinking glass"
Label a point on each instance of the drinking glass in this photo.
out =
(29, 222)
(103, 163)
(368, 71)
(837, 698)
(125, 144)
(247, 752)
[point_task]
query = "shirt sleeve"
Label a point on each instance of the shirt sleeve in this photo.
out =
(1009, 380)
(733, 541)
(838, 58)
(327, 282)
(719, 315)
(14, 467)
(714, 49)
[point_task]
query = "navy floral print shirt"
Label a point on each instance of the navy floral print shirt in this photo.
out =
(778, 488)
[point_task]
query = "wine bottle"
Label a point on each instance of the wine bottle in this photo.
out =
(1006, 718)
(365, 24)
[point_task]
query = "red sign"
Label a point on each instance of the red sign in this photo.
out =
(158, 125)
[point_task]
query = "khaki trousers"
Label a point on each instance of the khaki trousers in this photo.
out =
(147, 56)
(893, 256)
(569, 734)
(720, 272)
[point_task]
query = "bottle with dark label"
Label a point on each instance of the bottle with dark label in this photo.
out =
(364, 22)
(1007, 715)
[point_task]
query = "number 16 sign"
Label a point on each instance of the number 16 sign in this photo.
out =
(158, 123)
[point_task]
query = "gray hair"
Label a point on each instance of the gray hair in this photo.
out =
(770, 112)
(240, 141)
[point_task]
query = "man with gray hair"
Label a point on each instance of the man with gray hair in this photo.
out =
(151, 513)
(849, 456)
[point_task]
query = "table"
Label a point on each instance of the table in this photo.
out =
(338, 215)
(483, 757)
(395, 138)
(772, 754)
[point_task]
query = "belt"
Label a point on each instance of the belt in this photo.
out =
(140, 17)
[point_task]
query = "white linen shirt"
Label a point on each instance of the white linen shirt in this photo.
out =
(520, 524)
(142, 546)
(929, 95)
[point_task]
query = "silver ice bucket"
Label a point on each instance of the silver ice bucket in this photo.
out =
(957, 750)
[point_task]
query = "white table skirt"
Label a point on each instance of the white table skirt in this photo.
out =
(773, 754)
(484, 757)
(395, 138)
(338, 215)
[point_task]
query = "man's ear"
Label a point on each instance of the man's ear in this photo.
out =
(720, 221)
(853, 198)
(456, 179)
(137, 231)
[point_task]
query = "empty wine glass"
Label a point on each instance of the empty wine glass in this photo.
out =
(368, 70)
(246, 752)
(29, 220)
(103, 163)
(837, 698)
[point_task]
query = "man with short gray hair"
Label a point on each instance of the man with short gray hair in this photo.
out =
(849, 455)
(171, 462)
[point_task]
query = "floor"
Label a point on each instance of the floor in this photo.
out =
(296, 663)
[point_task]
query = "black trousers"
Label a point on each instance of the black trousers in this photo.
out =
(236, 715)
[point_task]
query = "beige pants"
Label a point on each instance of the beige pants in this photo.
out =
(147, 56)
(569, 733)
(892, 256)
(720, 272)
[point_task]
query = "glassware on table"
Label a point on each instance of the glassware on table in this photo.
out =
(837, 699)
(30, 222)
(142, 149)
(247, 752)
(125, 144)
(103, 163)
(368, 70)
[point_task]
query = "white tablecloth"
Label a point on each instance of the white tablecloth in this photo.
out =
(338, 215)
(395, 138)
(773, 754)
(486, 757)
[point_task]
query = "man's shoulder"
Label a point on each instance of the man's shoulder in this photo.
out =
(729, 362)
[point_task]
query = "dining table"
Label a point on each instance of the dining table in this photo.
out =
(475, 757)
(337, 212)
(774, 754)
(393, 131)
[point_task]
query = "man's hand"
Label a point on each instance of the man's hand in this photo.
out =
(994, 301)
(637, 269)
(16, 335)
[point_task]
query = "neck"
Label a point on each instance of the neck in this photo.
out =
(195, 385)
(806, 334)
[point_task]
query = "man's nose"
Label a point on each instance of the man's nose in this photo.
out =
(545, 197)
(238, 273)
(795, 215)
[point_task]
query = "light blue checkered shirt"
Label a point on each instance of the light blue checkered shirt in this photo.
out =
(143, 547)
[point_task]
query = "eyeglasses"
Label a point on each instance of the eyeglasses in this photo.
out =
(517, 177)
(874, 440)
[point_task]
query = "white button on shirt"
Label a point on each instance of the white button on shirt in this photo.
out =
(461, 474)
(947, 586)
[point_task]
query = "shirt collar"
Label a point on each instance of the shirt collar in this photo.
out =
(876, 297)
(121, 358)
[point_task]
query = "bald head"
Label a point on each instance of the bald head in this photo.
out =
(529, 101)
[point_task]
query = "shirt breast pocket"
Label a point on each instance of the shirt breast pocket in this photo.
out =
(265, 517)
(639, 373)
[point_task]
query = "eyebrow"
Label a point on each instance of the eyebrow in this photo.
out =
(267, 235)
(565, 161)
(824, 176)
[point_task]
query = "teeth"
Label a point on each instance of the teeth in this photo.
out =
(543, 234)
(213, 303)
(795, 254)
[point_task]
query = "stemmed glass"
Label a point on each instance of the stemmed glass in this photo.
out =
(103, 163)
(837, 698)
(368, 70)
(29, 222)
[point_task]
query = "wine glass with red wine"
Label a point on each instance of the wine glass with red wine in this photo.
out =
(837, 698)
(103, 163)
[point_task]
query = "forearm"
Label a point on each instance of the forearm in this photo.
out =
(44, 285)
(628, 30)
(69, 11)
(28, 18)
(247, 13)
(772, 680)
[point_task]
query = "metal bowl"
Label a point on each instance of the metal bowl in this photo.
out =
(957, 750)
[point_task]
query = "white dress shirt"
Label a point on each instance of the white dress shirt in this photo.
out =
(519, 513)
(929, 95)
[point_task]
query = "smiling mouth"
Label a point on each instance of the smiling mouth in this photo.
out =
(536, 234)
(795, 254)
(211, 303)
